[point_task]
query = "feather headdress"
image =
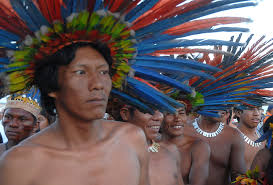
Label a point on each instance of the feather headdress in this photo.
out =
(136, 33)
(28, 101)
(243, 81)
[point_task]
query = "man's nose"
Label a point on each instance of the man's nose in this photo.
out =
(157, 115)
(13, 123)
(95, 82)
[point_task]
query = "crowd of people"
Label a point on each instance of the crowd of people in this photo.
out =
(104, 92)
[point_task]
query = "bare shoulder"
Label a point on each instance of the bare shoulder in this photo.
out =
(127, 132)
(199, 146)
(234, 132)
(22, 160)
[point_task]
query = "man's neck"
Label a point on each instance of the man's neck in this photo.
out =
(208, 125)
(173, 139)
(247, 130)
(78, 133)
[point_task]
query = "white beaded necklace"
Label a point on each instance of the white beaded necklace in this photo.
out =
(208, 134)
(250, 141)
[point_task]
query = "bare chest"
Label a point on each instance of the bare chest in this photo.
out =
(186, 162)
(220, 151)
(250, 153)
(109, 167)
(163, 169)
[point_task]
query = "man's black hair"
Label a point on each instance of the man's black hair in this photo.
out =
(46, 70)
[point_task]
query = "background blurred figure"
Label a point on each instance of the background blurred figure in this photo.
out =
(269, 112)
(44, 120)
(264, 158)
(20, 117)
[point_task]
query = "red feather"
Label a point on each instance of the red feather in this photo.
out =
(203, 24)
(165, 9)
(51, 9)
(12, 21)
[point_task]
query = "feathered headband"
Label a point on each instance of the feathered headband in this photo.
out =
(28, 101)
(136, 32)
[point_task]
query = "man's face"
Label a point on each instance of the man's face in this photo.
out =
(42, 121)
(85, 85)
(18, 124)
(149, 123)
(250, 117)
(174, 123)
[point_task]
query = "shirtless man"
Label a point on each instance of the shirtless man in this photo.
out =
(164, 166)
(227, 149)
(80, 147)
(249, 118)
(19, 119)
(195, 153)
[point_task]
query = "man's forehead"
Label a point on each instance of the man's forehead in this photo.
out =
(17, 112)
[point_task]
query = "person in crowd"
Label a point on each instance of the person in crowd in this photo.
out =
(194, 153)
(249, 118)
(20, 118)
(264, 157)
(227, 148)
(164, 156)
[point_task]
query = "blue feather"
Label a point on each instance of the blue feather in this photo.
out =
(98, 5)
(208, 114)
(265, 136)
(132, 101)
(182, 62)
(140, 10)
(157, 93)
(162, 37)
(150, 48)
(4, 61)
(166, 68)
(9, 45)
(8, 35)
(151, 75)
(29, 13)
(219, 6)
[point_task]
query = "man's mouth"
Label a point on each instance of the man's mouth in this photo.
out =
(177, 126)
(154, 127)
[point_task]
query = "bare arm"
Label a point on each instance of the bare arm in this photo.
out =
(261, 160)
(142, 149)
(199, 171)
(237, 161)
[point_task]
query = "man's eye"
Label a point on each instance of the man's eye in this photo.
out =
(7, 117)
(80, 72)
(105, 72)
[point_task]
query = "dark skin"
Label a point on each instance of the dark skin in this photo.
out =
(80, 147)
(227, 153)
(194, 152)
(249, 120)
(164, 165)
(261, 160)
(18, 125)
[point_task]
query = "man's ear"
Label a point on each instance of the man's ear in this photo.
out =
(52, 94)
(125, 114)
